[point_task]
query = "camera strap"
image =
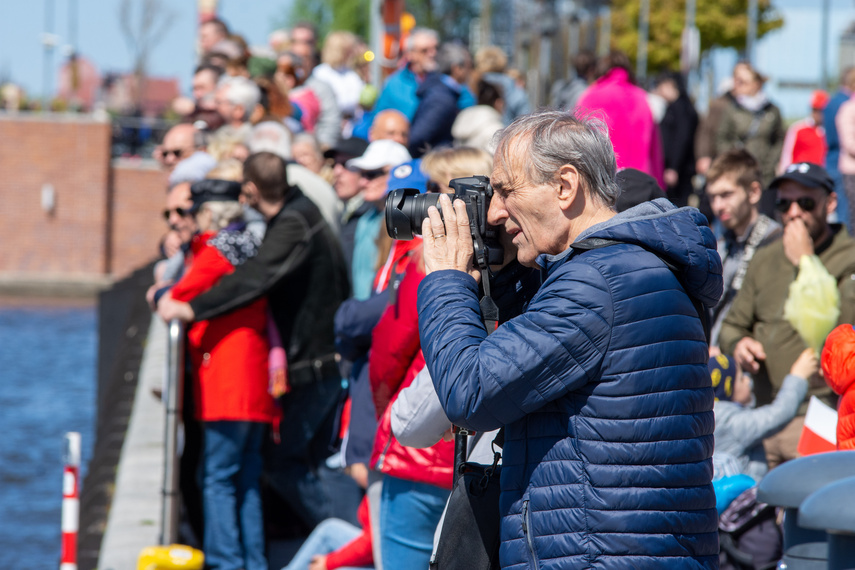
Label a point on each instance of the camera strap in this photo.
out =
(489, 309)
(490, 317)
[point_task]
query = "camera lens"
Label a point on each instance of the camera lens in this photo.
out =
(406, 209)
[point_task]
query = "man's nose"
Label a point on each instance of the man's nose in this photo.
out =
(497, 214)
(794, 211)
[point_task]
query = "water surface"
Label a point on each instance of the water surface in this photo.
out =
(47, 388)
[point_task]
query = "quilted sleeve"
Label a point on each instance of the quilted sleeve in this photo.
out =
(556, 346)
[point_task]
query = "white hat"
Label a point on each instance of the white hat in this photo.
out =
(379, 154)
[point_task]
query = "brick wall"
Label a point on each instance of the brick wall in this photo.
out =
(105, 221)
(139, 197)
(71, 154)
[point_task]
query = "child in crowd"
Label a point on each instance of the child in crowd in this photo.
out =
(739, 427)
(838, 366)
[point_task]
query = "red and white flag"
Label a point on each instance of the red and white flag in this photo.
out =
(820, 432)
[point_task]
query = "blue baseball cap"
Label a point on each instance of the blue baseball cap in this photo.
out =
(408, 175)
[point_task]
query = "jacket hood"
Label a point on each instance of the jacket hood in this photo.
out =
(679, 235)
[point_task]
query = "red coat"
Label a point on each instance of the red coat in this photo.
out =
(838, 367)
(357, 552)
(229, 353)
(395, 359)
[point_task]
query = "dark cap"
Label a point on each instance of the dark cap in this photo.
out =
(807, 174)
(351, 148)
(212, 190)
(636, 187)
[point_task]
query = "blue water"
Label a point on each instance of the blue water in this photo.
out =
(47, 388)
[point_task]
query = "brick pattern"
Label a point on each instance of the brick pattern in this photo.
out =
(139, 197)
(106, 220)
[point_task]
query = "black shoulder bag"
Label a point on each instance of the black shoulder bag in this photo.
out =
(469, 538)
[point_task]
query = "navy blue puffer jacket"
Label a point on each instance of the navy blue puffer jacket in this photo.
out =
(603, 390)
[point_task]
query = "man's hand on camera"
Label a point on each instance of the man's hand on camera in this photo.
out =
(448, 245)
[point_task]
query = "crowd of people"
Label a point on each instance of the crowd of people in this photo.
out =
(328, 361)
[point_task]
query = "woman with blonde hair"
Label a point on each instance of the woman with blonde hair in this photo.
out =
(337, 62)
(751, 121)
(446, 164)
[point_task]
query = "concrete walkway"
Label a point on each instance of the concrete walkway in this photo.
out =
(134, 521)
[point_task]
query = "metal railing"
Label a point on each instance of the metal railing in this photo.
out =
(136, 136)
(173, 398)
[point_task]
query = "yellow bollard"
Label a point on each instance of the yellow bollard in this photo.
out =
(172, 557)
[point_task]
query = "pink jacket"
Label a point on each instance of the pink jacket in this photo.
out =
(845, 121)
(632, 130)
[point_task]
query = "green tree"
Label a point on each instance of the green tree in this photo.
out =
(721, 23)
(450, 17)
(328, 15)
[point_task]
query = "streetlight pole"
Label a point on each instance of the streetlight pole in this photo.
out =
(823, 54)
(751, 36)
(49, 42)
(643, 33)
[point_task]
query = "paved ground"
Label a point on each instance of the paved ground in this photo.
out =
(135, 515)
(135, 521)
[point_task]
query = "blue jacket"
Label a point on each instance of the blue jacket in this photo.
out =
(399, 93)
(431, 127)
(603, 389)
(831, 137)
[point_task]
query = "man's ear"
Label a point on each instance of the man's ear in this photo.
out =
(830, 204)
(755, 192)
(570, 185)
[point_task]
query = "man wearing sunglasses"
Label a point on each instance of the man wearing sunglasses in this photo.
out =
(374, 167)
(178, 144)
(755, 330)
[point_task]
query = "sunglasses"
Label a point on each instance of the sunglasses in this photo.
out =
(176, 151)
(373, 174)
(806, 203)
(180, 211)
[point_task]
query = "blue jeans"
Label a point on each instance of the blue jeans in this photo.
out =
(409, 514)
(327, 537)
(234, 529)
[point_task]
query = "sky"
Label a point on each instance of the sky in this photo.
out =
(791, 54)
(100, 38)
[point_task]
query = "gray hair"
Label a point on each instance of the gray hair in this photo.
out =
(241, 91)
(555, 138)
(223, 213)
(451, 55)
(270, 136)
(408, 43)
(310, 139)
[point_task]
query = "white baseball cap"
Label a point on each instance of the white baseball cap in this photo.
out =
(379, 154)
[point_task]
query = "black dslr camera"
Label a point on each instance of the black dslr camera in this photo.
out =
(406, 209)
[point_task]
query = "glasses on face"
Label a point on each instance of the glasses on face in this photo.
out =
(177, 152)
(178, 211)
(373, 174)
(806, 203)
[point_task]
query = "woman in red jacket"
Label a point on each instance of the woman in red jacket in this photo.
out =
(230, 381)
(416, 482)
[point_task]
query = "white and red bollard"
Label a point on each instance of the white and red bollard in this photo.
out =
(70, 501)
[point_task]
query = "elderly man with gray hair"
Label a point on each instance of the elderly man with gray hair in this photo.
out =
(601, 385)
(236, 98)
(441, 95)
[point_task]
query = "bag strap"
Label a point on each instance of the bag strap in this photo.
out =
(758, 234)
(598, 243)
